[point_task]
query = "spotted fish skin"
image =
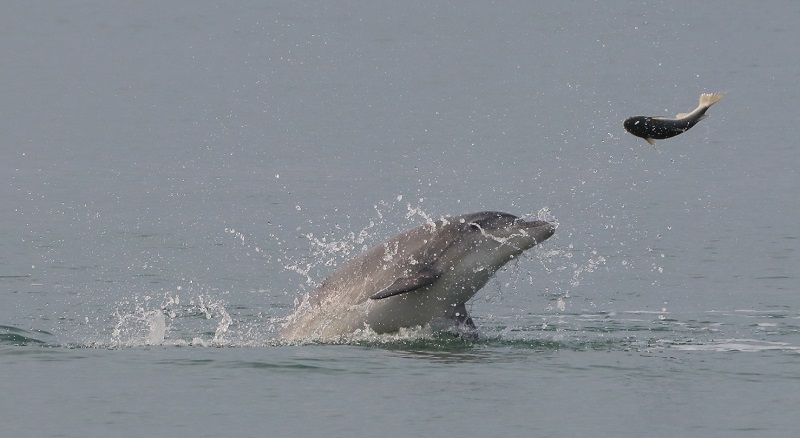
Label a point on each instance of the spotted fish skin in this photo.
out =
(653, 128)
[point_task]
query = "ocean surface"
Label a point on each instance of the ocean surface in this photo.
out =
(176, 175)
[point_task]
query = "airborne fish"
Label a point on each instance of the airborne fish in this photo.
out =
(657, 127)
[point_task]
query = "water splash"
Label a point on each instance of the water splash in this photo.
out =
(337, 246)
(199, 316)
(138, 328)
(192, 316)
(244, 241)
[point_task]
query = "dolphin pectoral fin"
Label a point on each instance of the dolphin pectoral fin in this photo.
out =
(424, 277)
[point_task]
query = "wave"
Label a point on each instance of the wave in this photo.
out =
(10, 335)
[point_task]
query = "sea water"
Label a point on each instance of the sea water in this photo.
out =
(176, 176)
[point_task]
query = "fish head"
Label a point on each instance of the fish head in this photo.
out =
(636, 124)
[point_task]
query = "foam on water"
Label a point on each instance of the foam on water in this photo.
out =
(742, 345)
(202, 321)
(182, 318)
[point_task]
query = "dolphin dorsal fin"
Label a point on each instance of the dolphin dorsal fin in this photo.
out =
(425, 276)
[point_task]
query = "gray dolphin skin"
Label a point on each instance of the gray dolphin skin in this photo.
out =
(658, 128)
(416, 278)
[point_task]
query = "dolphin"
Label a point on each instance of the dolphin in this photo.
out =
(422, 276)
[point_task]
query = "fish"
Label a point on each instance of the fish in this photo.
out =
(653, 128)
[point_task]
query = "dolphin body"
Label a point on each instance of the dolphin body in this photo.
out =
(653, 128)
(421, 276)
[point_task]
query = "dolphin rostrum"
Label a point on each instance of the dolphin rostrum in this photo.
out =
(420, 276)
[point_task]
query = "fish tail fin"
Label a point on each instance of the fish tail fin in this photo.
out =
(708, 99)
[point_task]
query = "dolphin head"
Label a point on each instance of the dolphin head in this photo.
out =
(502, 236)
(469, 249)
